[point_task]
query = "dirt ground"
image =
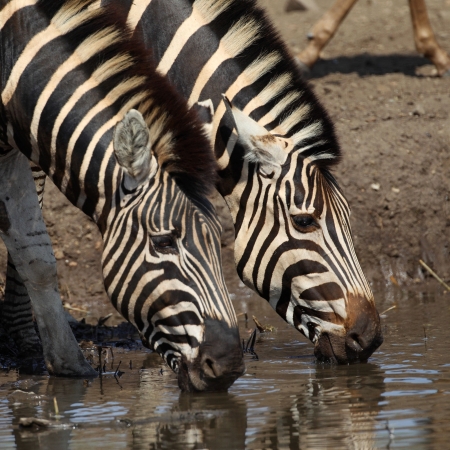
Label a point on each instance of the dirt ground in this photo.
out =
(392, 119)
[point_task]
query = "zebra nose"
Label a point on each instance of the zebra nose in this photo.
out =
(210, 372)
(231, 366)
(361, 343)
(219, 361)
(211, 368)
(364, 336)
(354, 342)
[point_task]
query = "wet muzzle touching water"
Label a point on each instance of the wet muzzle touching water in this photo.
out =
(219, 362)
(362, 335)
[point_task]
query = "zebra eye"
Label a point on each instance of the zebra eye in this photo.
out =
(164, 244)
(304, 223)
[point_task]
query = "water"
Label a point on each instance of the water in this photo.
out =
(400, 399)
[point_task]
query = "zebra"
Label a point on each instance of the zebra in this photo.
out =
(81, 99)
(275, 146)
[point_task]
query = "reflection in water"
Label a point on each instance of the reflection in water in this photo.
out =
(327, 398)
(39, 403)
(285, 401)
(212, 421)
(270, 408)
(290, 416)
(315, 407)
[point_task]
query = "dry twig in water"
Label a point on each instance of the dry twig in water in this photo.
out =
(242, 314)
(435, 275)
(102, 320)
(263, 328)
(258, 325)
(385, 311)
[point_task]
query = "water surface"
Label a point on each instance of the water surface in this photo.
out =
(286, 400)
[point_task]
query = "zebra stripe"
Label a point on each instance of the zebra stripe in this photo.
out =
(204, 13)
(161, 258)
(39, 177)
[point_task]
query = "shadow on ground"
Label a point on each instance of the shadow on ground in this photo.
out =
(366, 65)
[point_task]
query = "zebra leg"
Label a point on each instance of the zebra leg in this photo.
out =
(17, 312)
(323, 31)
(23, 230)
(425, 40)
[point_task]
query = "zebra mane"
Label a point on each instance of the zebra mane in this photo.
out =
(176, 133)
(275, 75)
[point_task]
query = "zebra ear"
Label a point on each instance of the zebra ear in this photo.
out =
(260, 145)
(133, 150)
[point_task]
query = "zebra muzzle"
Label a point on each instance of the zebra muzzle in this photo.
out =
(361, 338)
(207, 376)
(219, 362)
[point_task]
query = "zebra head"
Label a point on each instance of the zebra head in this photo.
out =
(170, 283)
(295, 246)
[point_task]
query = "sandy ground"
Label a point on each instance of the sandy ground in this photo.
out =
(391, 116)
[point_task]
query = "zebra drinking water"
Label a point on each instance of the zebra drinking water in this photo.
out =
(70, 75)
(275, 146)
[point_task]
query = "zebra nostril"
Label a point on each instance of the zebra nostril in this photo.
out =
(354, 342)
(208, 368)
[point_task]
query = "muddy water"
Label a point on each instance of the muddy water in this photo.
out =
(286, 400)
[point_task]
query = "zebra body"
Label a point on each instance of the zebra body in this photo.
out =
(70, 78)
(275, 146)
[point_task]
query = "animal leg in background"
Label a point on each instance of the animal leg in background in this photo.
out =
(323, 31)
(327, 26)
(425, 40)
